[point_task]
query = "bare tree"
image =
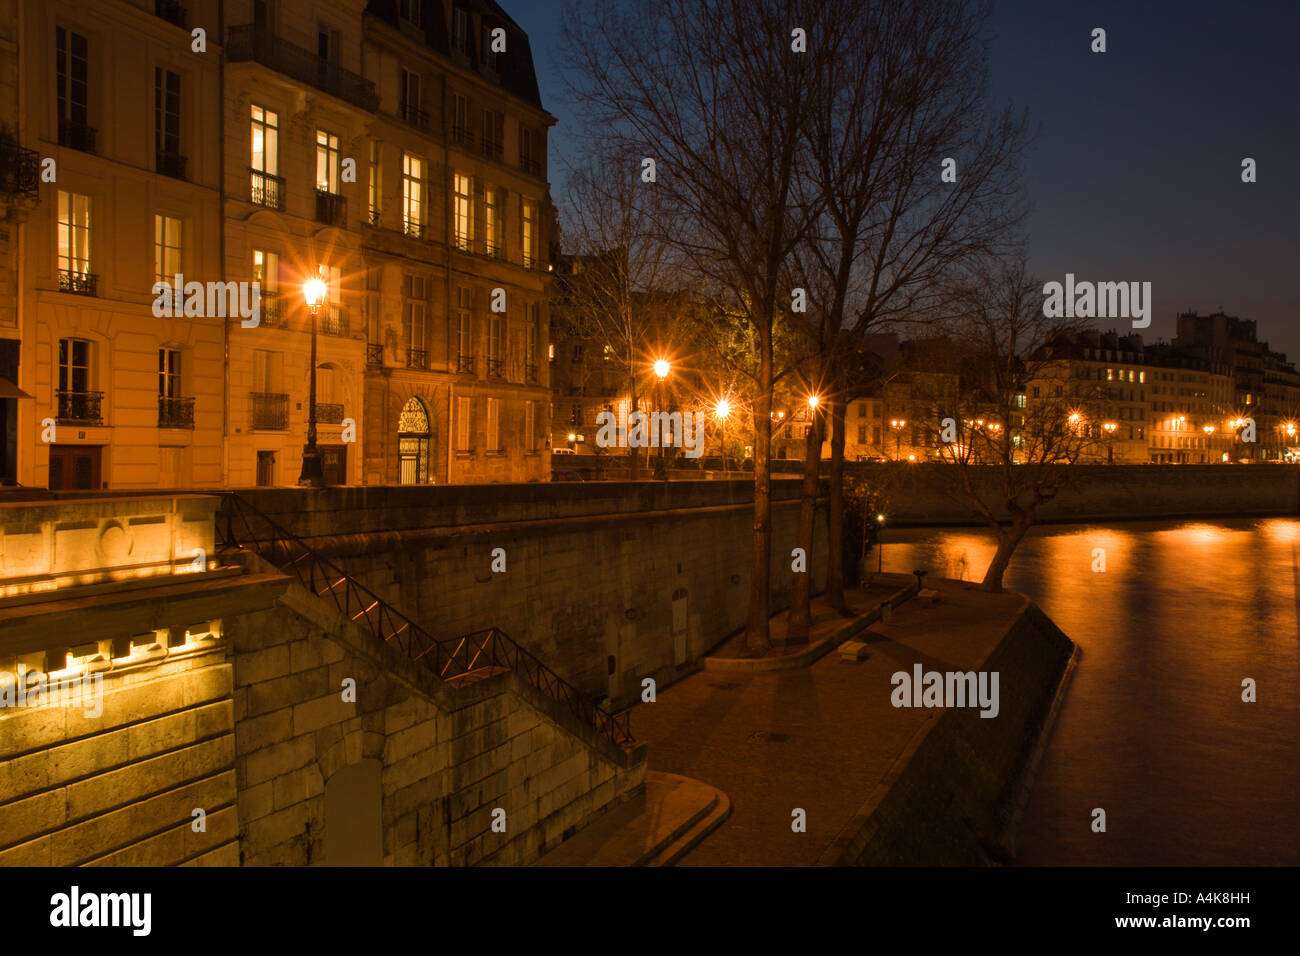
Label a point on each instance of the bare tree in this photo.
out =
(618, 287)
(1016, 421)
(912, 171)
(704, 99)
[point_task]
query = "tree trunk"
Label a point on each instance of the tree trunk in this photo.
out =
(835, 515)
(633, 454)
(757, 631)
(799, 620)
(1008, 539)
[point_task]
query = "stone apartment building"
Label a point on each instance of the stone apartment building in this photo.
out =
(395, 149)
(116, 105)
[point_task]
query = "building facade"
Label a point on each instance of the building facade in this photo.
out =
(396, 151)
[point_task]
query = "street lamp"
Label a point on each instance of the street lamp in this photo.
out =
(314, 291)
(722, 411)
(1109, 428)
(661, 370)
(880, 544)
(897, 424)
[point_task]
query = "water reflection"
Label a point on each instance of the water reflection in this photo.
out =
(1154, 729)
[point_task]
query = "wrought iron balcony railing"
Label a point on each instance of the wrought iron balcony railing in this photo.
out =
(533, 167)
(334, 321)
(171, 11)
(19, 169)
(272, 314)
(496, 368)
(413, 115)
(374, 354)
(270, 411)
(372, 216)
(170, 164)
(464, 363)
(530, 374)
(331, 208)
(463, 136)
(77, 135)
(328, 413)
(267, 189)
(78, 283)
(493, 250)
(175, 412)
(80, 408)
(415, 358)
(413, 229)
(492, 148)
(249, 42)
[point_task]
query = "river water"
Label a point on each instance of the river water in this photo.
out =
(1153, 729)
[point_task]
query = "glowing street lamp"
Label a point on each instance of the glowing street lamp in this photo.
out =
(312, 475)
(813, 402)
(898, 424)
(661, 370)
(722, 411)
(1109, 429)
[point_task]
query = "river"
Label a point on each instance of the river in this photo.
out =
(1153, 729)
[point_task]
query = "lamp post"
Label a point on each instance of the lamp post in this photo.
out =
(1209, 434)
(1109, 428)
(898, 424)
(880, 544)
(661, 369)
(723, 411)
(313, 473)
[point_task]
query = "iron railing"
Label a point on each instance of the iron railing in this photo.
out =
(496, 368)
(175, 412)
(272, 310)
(334, 321)
(331, 208)
(80, 408)
(413, 115)
(19, 169)
(530, 374)
(77, 135)
(267, 189)
(464, 363)
(171, 11)
(270, 411)
(462, 135)
(329, 413)
(374, 353)
(415, 358)
(413, 229)
(532, 167)
(250, 42)
(456, 661)
(78, 283)
(170, 164)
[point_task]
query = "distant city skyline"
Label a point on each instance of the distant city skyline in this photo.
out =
(1135, 172)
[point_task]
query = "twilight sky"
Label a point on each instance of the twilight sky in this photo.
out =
(1135, 174)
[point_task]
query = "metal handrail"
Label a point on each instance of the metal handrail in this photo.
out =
(475, 654)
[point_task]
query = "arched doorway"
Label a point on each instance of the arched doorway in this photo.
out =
(413, 441)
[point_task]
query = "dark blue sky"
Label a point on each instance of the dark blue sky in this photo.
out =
(1136, 170)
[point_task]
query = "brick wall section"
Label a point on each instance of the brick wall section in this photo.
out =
(449, 756)
(120, 789)
(955, 794)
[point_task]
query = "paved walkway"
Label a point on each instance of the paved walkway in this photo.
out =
(819, 738)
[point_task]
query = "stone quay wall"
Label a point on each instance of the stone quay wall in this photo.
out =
(607, 583)
(929, 494)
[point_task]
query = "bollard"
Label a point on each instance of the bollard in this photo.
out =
(920, 580)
